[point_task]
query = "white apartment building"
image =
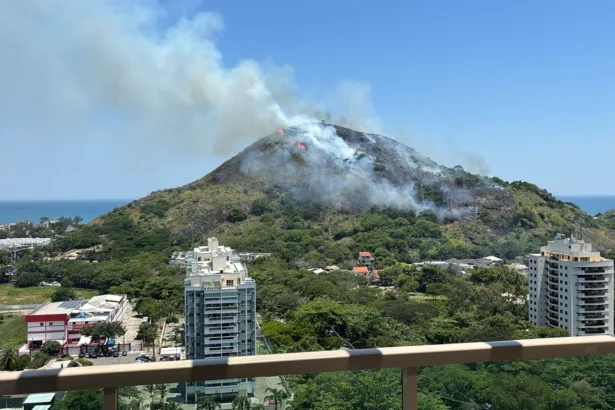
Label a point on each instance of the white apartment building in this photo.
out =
(571, 287)
(220, 311)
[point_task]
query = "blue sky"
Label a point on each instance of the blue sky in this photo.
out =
(521, 89)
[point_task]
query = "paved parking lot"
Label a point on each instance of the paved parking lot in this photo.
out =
(101, 361)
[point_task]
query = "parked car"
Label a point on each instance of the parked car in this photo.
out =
(116, 353)
(82, 355)
(124, 353)
(93, 355)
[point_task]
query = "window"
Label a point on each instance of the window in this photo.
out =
(42, 324)
(229, 283)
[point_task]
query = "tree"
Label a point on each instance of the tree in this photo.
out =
(151, 390)
(23, 361)
(148, 333)
(51, 347)
(82, 400)
(38, 361)
(77, 220)
(104, 330)
(277, 396)
(236, 215)
(208, 403)
(9, 360)
(62, 294)
(241, 403)
(163, 391)
(172, 405)
(28, 279)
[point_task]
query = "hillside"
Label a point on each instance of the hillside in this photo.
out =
(333, 190)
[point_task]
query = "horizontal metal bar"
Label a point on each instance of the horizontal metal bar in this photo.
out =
(299, 363)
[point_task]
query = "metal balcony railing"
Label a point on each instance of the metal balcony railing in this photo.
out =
(407, 358)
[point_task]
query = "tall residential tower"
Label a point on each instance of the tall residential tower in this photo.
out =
(220, 311)
(571, 287)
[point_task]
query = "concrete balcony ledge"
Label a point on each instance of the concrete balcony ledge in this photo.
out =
(408, 358)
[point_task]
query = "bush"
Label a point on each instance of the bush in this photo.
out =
(236, 215)
(28, 279)
(259, 207)
(51, 348)
(62, 294)
(172, 319)
(23, 361)
(39, 360)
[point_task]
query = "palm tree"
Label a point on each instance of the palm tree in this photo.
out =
(258, 407)
(241, 403)
(208, 403)
(8, 360)
(151, 389)
(44, 219)
(135, 404)
(77, 220)
(277, 396)
(163, 390)
(172, 405)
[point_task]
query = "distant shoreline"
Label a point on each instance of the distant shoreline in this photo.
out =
(12, 211)
(592, 204)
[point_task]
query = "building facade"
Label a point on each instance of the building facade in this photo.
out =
(220, 312)
(63, 321)
(571, 287)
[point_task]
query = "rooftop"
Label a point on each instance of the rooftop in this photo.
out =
(54, 308)
(365, 254)
(360, 269)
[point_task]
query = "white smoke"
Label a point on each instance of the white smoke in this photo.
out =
(317, 165)
(70, 62)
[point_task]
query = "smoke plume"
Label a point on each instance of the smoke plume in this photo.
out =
(317, 164)
(68, 63)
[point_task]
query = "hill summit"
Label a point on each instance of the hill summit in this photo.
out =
(317, 186)
(337, 167)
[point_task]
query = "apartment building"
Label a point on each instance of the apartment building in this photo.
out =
(220, 311)
(571, 287)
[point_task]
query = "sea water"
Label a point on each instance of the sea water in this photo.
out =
(15, 211)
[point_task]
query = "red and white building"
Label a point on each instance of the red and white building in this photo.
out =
(63, 321)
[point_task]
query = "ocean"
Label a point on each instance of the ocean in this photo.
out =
(15, 211)
(591, 204)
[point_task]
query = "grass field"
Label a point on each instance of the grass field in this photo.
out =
(12, 332)
(10, 295)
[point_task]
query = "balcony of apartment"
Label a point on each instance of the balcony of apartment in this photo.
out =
(592, 332)
(408, 359)
(593, 286)
(553, 287)
(225, 329)
(553, 322)
(590, 300)
(220, 311)
(220, 321)
(593, 270)
(604, 315)
(595, 309)
(592, 324)
(552, 280)
(218, 340)
(592, 292)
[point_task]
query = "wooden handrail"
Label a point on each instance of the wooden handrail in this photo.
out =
(111, 376)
